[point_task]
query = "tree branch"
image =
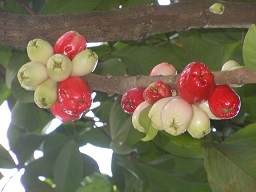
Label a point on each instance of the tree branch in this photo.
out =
(118, 85)
(132, 23)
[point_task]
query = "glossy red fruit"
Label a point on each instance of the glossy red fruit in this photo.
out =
(196, 83)
(59, 113)
(224, 102)
(131, 99)
(74, 95)
(156, 91)
(69, 44)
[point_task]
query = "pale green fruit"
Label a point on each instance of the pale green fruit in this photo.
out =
(145, 122)
(31, 75)
(155, 112)
(46, 94)
(229, 66)
(205, 107)
(217, 8)
(176, 116)
(136, 114)
(84, 63)
(39, 50)
(59, 67)
(200, 123)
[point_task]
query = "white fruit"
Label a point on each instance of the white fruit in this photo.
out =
(59, 67)
(176, 116)
(46, 94)
(164, 69)
(200, 123)
(155, 112)
(205, 107)
(39, 50)
(84, 63)
(31, 75)
(136, 114)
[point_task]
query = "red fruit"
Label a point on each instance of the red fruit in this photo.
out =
(74, 95)
(58, 112)
(224, 102)
(196, 83)
(156, 91)
(69, 44)
(131, 99)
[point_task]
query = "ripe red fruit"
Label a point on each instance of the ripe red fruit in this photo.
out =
(156, 91)
(74, 95)
(196, 83)
(58, 112)
(224, 102)
(69, 44)
(131, 99)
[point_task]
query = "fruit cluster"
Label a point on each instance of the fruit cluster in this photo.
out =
(55, 73)
(190, 108)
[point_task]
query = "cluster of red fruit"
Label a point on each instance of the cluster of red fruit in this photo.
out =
(55, 75)
(189, 108)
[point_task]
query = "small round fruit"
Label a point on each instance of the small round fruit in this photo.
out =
(224, 102)
(59, 67)
(156, 91)
(39, 50)
(46, 94)
(31, 75)
(59, 113)
(69, 44)
(164, 69)
(74, 95)
(200, 123)
(217, 8)
(131, 99)
(84, 63)
(195, 83)
(176, 116)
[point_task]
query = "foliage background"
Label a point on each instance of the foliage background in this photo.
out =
(222, 161)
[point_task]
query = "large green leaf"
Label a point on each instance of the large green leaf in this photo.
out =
(231, 165)
(4, 92)
(5, 55)
(96, 182)
(6, 160)
(67, 6)
(68, 168)
(249, 47)
(112, 66)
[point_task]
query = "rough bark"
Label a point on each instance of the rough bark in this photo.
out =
(132, 23)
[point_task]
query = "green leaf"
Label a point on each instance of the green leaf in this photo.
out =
(90, 165)
(26, 145)
(145, 122)
(67, 6)
(96, 182)
(183, 145)
(5, 92)
(249, 47)
(231, 165)
(5, 55)
(6, 160)
(112, 66)
(68, 168)
(29, 117)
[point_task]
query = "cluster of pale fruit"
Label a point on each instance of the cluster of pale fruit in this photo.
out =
(174, 114)
(46, 69)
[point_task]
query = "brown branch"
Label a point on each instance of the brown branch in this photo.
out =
(118, 85)
(132, 23)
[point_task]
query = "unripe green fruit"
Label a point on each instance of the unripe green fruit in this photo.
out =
(59, 67)
(84, 63)
(136, 114)
(155, 112)
(46, 94)
(31, 75)
(39, 50)
(217, 8)
(176, 116)
(200, 123)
